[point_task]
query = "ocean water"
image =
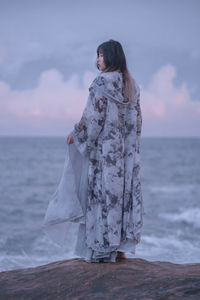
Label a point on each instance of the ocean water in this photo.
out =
(30, 170)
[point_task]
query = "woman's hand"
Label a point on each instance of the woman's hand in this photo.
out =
(70, 139)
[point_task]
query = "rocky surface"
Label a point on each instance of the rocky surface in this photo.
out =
(128, 279)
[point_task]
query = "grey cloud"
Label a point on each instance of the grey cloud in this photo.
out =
(38, 35)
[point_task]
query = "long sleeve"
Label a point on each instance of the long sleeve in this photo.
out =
(139, 124)
(139, 116)
(87, 130)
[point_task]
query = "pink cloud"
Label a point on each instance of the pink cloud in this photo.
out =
(167, 109)
(55, 105)
(53, 100)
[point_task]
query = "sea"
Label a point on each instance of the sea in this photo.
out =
(31, 168)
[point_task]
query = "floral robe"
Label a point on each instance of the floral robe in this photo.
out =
(108, 134)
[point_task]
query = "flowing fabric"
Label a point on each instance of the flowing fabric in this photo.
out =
(99, 198)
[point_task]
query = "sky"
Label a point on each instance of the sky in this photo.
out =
(48, 55)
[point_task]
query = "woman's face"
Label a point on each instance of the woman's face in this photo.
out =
(100, 62)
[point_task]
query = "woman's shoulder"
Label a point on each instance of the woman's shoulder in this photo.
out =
(110, 75)
(99, 81)
(104, 78)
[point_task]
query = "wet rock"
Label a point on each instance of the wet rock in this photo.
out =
(129, 279)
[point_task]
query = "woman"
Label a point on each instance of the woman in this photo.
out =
(108, 140)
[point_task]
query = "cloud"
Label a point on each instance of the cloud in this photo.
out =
(167, 109)
(53, 101)
(55, 105)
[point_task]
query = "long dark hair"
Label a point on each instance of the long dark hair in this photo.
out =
(114, 59)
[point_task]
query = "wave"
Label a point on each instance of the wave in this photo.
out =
(190, 216)
(173, 188)
(44, 251)
(169, 248)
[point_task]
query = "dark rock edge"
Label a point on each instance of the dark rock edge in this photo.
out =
(133, 278)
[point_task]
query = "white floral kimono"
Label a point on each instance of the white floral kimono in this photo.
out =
(99, 198)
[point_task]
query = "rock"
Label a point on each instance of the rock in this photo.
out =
(129, 279)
